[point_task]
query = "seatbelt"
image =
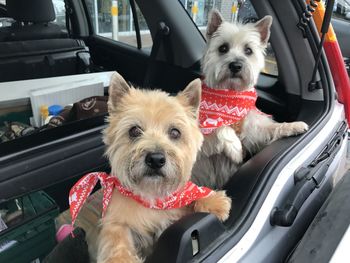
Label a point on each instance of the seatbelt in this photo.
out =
(162, 36)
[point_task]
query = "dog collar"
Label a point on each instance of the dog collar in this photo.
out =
(223, 107)
(83, 188)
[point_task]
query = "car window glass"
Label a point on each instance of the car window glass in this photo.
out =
(232, 11)
(5, 21)
(341, 9)
(114, 19)
(60, 11)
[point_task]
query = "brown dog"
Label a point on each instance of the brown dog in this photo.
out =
(152, 143)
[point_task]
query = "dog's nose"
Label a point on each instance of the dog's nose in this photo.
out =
(235, 67)
(155, 160)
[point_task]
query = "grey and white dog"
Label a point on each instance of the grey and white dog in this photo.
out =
(233, 59)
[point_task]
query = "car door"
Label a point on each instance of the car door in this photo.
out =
(146, 50)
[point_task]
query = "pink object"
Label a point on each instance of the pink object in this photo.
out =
(63, 231)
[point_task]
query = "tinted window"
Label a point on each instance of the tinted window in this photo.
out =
(60, 10)
(341, 9)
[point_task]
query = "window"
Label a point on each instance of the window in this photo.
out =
(60, 11)
(341, 9)
(231, 10)
(5, 21)
(114, 19)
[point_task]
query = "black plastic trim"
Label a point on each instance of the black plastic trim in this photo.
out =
(307, 179)
(49, 164)
(175, 244)
(327, 229)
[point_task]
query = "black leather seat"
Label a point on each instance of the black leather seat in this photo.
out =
(35, 48)
(33, 21)
(31, 59)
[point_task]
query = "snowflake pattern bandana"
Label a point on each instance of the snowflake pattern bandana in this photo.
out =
(224, 107)
(83, 188)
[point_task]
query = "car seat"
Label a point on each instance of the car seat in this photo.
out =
(33, 21)
(33, 47)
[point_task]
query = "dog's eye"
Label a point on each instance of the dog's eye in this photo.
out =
(174, 133)
(248, 51)
(135, 132)
(223, 48)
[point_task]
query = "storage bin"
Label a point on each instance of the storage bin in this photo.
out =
(30, 232)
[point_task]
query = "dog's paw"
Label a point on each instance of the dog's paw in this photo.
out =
(301, 127)
(231, 144)
(295, 128)
(234, 151)
(218, 204)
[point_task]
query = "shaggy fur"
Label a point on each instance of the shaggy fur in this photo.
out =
(223, 151)
(129, 229)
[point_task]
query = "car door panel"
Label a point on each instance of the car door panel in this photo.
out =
(49, 164)
(129, 61)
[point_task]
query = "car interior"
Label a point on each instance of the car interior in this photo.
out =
(33, 46)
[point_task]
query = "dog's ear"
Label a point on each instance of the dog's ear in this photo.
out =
(263, 26)
(117, 89)
(191, 96)
(214, 21)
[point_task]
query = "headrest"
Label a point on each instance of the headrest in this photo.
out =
(35, 11)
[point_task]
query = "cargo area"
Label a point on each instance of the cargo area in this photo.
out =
(27, 228)
(31, 106)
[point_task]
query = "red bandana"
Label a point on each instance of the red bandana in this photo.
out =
(82, 189)
(224, 107)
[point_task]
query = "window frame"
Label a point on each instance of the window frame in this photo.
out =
(136, 24)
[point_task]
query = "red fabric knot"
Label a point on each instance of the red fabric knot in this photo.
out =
(223, 107)
(83, 188)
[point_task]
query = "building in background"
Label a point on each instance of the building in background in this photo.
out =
(101, 13)
(228, 9)
(102, 18)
